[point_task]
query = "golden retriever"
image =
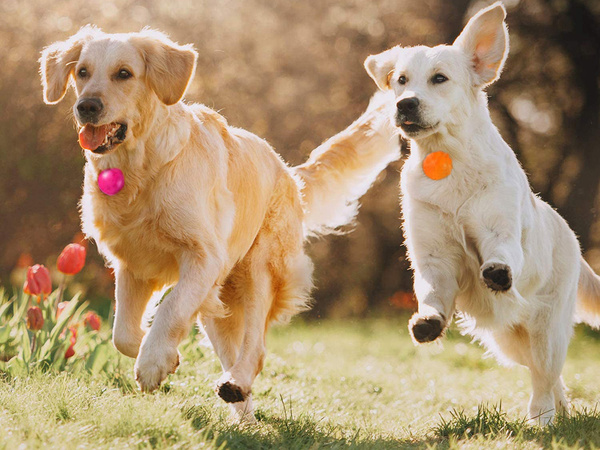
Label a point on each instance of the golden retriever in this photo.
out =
(206, 208)
(479, 240)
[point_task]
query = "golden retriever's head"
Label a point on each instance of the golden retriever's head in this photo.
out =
(118, 78)
(436, 86)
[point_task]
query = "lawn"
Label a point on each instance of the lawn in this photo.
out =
(326, 384)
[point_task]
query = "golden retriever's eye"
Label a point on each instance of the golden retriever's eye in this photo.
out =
(402, 79)
(82, 73)
(124, 74)
(438, 78)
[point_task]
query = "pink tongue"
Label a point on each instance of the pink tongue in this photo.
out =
(91, 137)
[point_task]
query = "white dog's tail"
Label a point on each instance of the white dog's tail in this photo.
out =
(342, 169)
(588, 296)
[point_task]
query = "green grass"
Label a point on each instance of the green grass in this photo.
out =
(326, 384)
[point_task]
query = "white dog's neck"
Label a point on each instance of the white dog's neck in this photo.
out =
(467, 138)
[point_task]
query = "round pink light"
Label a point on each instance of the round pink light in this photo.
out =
(111, 181)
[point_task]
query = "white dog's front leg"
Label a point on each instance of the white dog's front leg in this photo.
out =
(174, 317)
(499, 242)
(436, 260)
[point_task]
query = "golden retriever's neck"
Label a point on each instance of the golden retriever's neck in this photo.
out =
(154, 142)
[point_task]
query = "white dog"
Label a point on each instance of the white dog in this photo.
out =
(206, 207)
(479, 240)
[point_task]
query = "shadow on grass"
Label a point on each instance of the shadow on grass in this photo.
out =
(580, 428)
(290, 433)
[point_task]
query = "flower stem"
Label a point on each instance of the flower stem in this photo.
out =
(61, 289)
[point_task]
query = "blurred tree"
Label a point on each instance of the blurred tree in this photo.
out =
(292, 73)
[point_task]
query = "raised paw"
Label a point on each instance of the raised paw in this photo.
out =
(497, 276)
(426, 329)
(229, 390)
(151, 368)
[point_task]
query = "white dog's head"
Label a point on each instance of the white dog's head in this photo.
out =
(433, 86)
(117, 78)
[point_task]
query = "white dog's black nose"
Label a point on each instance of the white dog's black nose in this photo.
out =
(408, 105)
(89, 109)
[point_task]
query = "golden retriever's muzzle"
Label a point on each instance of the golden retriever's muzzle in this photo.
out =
(89, 110)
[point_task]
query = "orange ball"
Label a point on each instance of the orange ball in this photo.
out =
(437, 165)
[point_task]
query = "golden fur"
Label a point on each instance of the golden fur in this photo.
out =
(207, 208)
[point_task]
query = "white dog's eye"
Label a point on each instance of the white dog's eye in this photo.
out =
(82, 73)
(402, 79)
(438, 78)
(124, 74)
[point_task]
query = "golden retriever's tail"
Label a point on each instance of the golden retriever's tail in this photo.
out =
(342, 169)
(588, 296)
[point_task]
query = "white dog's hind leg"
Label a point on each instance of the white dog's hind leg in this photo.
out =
(549, 339)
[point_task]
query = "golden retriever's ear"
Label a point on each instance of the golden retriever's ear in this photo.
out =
(380, 67)
(485, 41)
(58, 62)
(169, 66)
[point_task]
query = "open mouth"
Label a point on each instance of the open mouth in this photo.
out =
(413, 128)
(102, 139)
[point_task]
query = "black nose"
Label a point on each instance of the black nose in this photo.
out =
(89, 108)
(408, 105)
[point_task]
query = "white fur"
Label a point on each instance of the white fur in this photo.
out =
(484, 213)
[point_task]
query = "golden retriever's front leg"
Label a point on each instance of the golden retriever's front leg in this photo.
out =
(174, 317)
(132, 296)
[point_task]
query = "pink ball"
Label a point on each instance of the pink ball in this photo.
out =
(111, 181)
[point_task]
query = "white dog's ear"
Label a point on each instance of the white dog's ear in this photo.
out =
(380, 67)
(57, 63)
(169, 66)
(485, 41)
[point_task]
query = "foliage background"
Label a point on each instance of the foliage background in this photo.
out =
(291, 72)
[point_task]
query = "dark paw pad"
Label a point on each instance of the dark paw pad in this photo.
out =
(230, 392)
(427, 330)
(497, 277)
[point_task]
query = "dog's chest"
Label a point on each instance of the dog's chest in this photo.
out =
(449, 194)
(135, 234)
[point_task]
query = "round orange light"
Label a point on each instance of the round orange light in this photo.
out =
(437, 165)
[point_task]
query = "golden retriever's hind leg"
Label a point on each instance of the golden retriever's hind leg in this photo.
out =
(132, 296)
(235, 384)
(226, 335)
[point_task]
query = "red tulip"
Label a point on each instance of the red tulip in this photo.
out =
(73, 330)
(71, 350)
(92, 320)
(35, 319)
(60, 308)
(71, 259)
(38, 281)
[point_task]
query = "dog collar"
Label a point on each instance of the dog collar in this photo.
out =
(111, 181)
(437, 165)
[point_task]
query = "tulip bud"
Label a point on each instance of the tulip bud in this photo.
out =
(60, 308)
(38, 281)
(35, 319)
(70, 351)
(71, 259)
(92, 320)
